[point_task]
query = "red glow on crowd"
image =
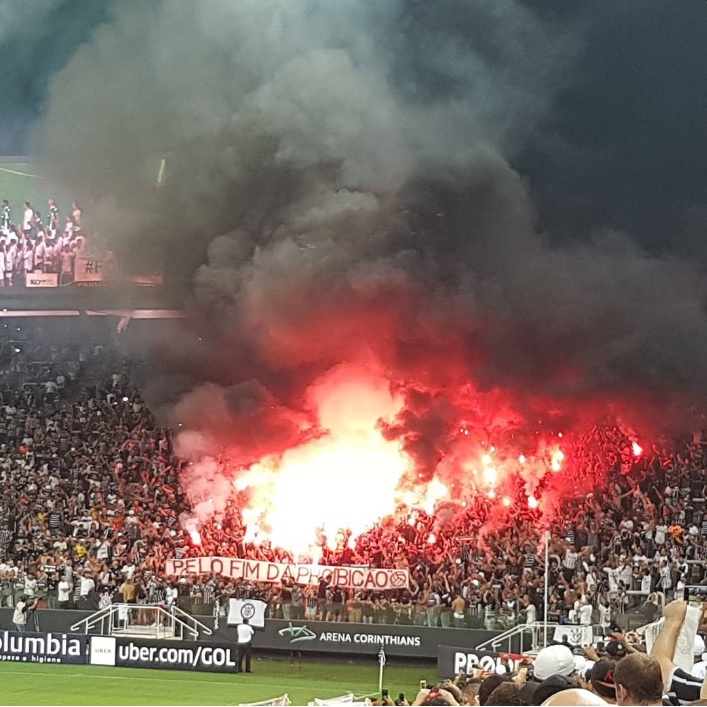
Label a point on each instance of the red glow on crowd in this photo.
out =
(354, 468)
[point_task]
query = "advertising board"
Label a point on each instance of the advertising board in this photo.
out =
(24, 647)
(363, 639)
(452, 660)
(127, 652)
(41, 279)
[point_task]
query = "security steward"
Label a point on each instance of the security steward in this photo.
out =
(244, 633)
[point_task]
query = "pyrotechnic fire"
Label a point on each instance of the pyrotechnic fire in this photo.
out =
(351, 471)
(347, 479)
(557, 458)
(490, 476)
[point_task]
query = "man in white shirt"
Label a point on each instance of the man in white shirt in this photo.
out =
(585, 612)
(27, 218)
(244, 634)
(666, 580)
(86, 586)
(39, 250)
(626, 572)
(612, 574)
(10, 259)
(30, 587)
(171, 594)
(19, 617)
(64, 593)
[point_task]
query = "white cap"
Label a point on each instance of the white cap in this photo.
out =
(698, 646)
(580, 663)
(553, 660)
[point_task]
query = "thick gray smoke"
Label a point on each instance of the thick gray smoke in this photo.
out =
(37, 38)
(339, 188)
(234, 91)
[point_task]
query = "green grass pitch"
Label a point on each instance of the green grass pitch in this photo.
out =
(46, 684)
(21, 180)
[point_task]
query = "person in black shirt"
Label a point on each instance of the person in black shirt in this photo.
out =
(322, 595)
(52, 216)
(286, 601)
(337, 605)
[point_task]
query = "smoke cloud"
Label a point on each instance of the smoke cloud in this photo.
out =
(37, 38)
(340, 188)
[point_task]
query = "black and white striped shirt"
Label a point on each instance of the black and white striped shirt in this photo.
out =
(683, 688)
(570, 560)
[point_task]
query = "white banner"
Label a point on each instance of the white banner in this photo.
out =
(257, 571)
(283, 701)
(94, 268)
(41, 279)
(576, 635)
(683, 657)
(251, 609)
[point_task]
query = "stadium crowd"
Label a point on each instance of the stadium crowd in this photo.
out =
(622, 672)
(91, 507)
(37, 245)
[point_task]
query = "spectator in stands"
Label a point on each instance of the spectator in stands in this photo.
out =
(27, 219)
(5, 216)
(77, 217)
(507, 693)
(52, 217)
(3, 261)
(39, 252)
(489, 685)
(638, 680)
(602, 680)
(551, 686)
(680, 686)
(574, 697)
(90, 485)
(69, 229)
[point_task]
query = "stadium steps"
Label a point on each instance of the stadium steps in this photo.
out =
(161, 622)
(161, 632)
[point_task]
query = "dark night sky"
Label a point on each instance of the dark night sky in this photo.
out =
(624, 145)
